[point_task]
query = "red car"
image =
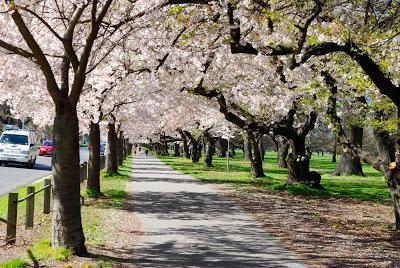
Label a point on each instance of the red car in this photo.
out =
(46, 148)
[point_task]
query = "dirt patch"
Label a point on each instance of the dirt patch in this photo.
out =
(25, 237)
(325, 232)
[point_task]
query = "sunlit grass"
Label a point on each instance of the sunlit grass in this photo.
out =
(372, 187)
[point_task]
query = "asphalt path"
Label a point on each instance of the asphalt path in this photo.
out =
(15, 176)
(186, 223)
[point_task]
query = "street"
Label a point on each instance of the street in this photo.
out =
(14, 176)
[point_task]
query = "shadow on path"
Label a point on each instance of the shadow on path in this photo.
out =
(186, 223)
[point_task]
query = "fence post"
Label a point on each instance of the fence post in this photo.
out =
(12, 218)
(81, 172)
(46, 197)
(30, 207)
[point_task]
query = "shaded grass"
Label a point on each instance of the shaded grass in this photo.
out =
(372, 187)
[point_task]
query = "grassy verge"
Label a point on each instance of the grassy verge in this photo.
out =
(22, 206)
(372, 187)
(95, 215)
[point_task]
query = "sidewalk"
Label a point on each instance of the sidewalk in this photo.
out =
(187, 223)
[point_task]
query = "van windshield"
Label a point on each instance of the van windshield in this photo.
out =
(14, 139)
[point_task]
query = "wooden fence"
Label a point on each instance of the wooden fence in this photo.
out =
(13, 201)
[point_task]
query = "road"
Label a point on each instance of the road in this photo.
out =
(13, 177)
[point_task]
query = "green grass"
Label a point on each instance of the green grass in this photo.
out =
(372, 187)
(15, 263)
(112, 197)
(43, 250)
(21, 206)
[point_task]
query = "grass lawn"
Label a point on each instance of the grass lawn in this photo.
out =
(372, 187)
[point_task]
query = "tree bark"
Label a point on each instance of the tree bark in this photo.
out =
(196, 147)
(334, 152)
(283, 150)
(298, 163)
(176, 150)
(256, 161)
(66, 214)
(385, 145)
(209, 145)
(247, 148)
(232, 149)
(112, 150)
(222, 147)
(121, 148)
(185, 146)
(351, 165)
(93, 181)
(261, 147)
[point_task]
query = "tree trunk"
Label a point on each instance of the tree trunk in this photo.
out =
(222, 147)
(176, 150)
(261, 147)
(209, 145)
(66, 214)
(93, 181)
(233, 152)
(283, 150)
(351, 165)
(247, 148)
(334, 152)
(185, 146)
(121, 148)
(298, 163)
(256, 161)
(196, 151)
(385, 145)
(112, 150)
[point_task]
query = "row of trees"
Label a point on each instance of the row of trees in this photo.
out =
(149, 69)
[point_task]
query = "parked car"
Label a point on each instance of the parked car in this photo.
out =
(18, 146)
(46, 148)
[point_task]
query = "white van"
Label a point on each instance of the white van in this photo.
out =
(18, 146)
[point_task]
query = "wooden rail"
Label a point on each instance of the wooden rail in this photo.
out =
(12, 212)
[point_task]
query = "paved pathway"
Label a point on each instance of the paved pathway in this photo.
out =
(187, 223)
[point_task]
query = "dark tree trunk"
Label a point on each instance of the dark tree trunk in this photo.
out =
(195, 153)
(222, 147)
(247, 148)
(385, 145)
(186, 152)
(209, 146)
(121, 148)
(66, 213)
(334, 152)
(176, 150)
(283, 150)
(256, 161)
(261, 147)
(165, 149)
(93, 181)
(351, 165)
(112, 150)
(233, 148)
(298, 163)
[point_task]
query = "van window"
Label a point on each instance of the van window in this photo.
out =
(14, 139)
